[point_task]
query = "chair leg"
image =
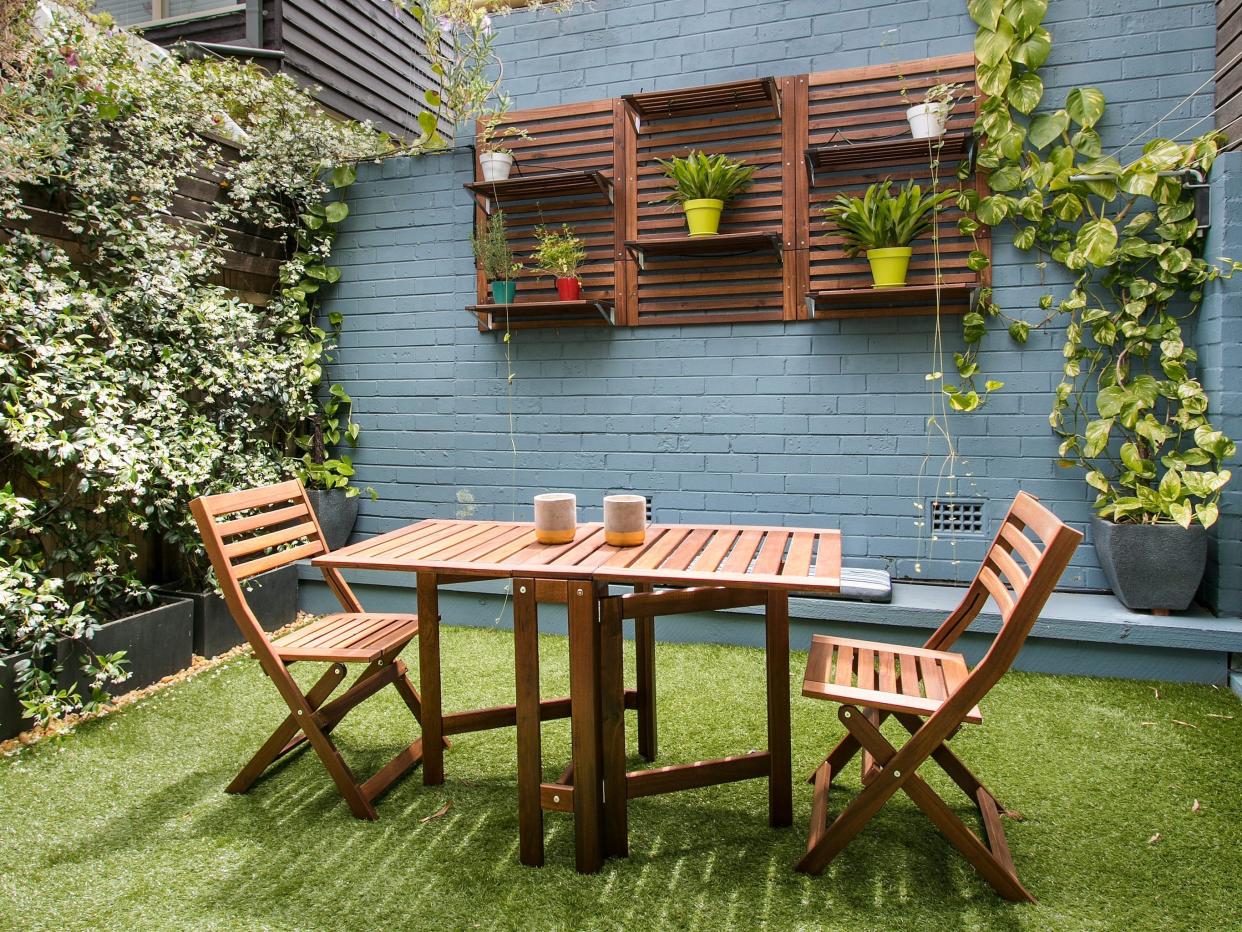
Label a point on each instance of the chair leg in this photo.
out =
(841, 755)
(283, 739)
(993, 863)
(950, 763)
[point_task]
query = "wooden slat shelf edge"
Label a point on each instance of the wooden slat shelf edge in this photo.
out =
(723, 245)
(955, 298)
(587, 312)
(952, 147)
(548, 184)
(751, 94)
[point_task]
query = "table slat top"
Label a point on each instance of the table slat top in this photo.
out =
(795, 559)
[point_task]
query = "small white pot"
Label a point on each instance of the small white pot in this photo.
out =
(927, 120)
(495, 165)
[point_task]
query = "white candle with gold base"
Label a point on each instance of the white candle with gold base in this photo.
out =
(625, 520)
(556, 517)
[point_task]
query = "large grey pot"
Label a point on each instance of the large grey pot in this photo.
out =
(336, 513)
(1151, 566)
(157, 642)
(12, 717)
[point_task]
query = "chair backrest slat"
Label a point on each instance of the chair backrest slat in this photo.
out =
(1019, 594)
(250, 532)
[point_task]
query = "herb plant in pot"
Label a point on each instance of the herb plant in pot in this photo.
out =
(495, 257)
(561, 254)
(929, 119)
(703, 185)
(883, 225)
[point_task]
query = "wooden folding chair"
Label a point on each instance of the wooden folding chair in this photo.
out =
(873, 681)
(250, 532)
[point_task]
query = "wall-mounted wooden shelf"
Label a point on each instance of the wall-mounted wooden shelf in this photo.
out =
(534, 187)
(840, 156)
(721, 246)
(522, 314)
(754, 94)
(955, 298)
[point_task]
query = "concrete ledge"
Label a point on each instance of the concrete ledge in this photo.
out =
(1078, 633)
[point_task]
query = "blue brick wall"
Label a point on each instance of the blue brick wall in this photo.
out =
(1220, 359)
(818, 423)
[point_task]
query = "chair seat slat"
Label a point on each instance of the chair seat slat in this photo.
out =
(844, 675)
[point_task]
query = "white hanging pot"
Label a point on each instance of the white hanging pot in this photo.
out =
(495, 165)
(927, 120)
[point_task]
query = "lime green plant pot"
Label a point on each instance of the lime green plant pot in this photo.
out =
(703, 215)
(888, 266)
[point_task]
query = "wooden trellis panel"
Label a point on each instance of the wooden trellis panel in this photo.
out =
(865, 108)
(736, 288)
(569, 138)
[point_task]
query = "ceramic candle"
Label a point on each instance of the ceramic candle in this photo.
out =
(625, 520)
(556, 517)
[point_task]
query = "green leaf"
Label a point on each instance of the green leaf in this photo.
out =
(1085, 105)
(1005, 179)
(311, 221)
(994, 78)
(427, 122)
(992, 385)
(1097, 434)
(1096, 480)
(985, 12)
(1019, 330)
(1182, 513)
(992, 45)
(1025, 92)
(336, 211)
(1027, 14)
(1096, 240)
(1067, 206)
(1207, 513)
(973, 327)
(433, 98)
(1033, 51)
(343, 176)
(1047, 127)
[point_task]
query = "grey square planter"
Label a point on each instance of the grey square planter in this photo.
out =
(336, 513)
(273, 597)
(11, 719)
(157, 643)
(1151, 567)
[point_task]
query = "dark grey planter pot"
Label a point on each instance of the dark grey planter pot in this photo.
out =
(1151, 566)
(157, 643)
(336, 513)
(12, 721)
(273, 597)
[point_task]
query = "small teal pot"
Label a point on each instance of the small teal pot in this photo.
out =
(504, 292)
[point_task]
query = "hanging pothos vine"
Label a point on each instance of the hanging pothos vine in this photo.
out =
(1129, 410)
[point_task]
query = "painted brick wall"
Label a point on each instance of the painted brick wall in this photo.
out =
(1220, 349)
(810, 423)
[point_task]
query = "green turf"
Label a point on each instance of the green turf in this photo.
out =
(124, 824)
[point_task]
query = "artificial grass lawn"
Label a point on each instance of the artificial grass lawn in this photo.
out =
(125, 825)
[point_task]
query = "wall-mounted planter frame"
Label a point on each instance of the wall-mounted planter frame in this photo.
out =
(595, 166)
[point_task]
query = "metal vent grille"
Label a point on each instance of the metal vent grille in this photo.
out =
(956, 516)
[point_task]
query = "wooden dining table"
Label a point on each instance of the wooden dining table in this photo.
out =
(677, 569)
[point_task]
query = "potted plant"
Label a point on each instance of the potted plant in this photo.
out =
(883, 225)
(495, 160)
(327, 479)
(561, 255)
(495, 257)
(929, 119)
(703, 184)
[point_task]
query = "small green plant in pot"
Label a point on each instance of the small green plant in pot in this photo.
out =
(703, 185)
(561, 254)
(883, 225)
(495, 257)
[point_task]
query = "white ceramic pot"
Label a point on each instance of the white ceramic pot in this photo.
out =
(927, 120)
(495, 165)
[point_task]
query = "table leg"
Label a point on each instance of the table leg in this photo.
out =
(644, 652)
(429, 678)
(529, 744)
(612, 726)
(780, 778)
(584, 725)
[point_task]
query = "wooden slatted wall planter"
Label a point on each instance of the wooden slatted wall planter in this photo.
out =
(744, 284)
(774, 260)
(863, 110)
(572, 140)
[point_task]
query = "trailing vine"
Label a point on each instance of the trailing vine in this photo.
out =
(1128, 409)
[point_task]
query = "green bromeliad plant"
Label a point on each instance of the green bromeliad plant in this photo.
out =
(881, 219)
(699, 176)
(1129, 410)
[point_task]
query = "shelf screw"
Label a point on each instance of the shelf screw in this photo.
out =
(522, 589)
(556, 799)
(896, 774)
